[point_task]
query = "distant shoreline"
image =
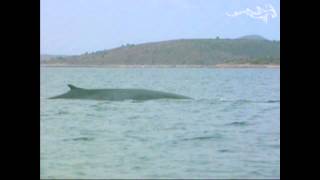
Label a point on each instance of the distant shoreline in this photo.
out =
(164, 66)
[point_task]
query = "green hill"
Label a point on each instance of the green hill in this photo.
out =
(47, 57)
(253, 50)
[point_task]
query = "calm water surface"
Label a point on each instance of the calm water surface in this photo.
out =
(231, 129)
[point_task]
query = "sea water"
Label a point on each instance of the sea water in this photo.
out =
(230, 129)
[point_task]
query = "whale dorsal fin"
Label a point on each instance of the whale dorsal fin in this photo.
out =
(72, 87)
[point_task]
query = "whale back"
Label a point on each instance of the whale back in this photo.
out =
(116, 94)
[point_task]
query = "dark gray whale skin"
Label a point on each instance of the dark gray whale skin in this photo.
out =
(116, 94)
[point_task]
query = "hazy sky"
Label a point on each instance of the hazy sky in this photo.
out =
(79, 26)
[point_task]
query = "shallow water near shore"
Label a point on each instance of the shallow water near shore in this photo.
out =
(230, 129)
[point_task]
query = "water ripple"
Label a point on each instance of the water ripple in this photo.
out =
(80, 139)
(237, 123)
(199, 138)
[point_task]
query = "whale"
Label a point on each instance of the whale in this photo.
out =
(116, 94)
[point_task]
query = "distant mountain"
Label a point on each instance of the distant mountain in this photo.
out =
(247, 49)
(253, 37)
(46, 57)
